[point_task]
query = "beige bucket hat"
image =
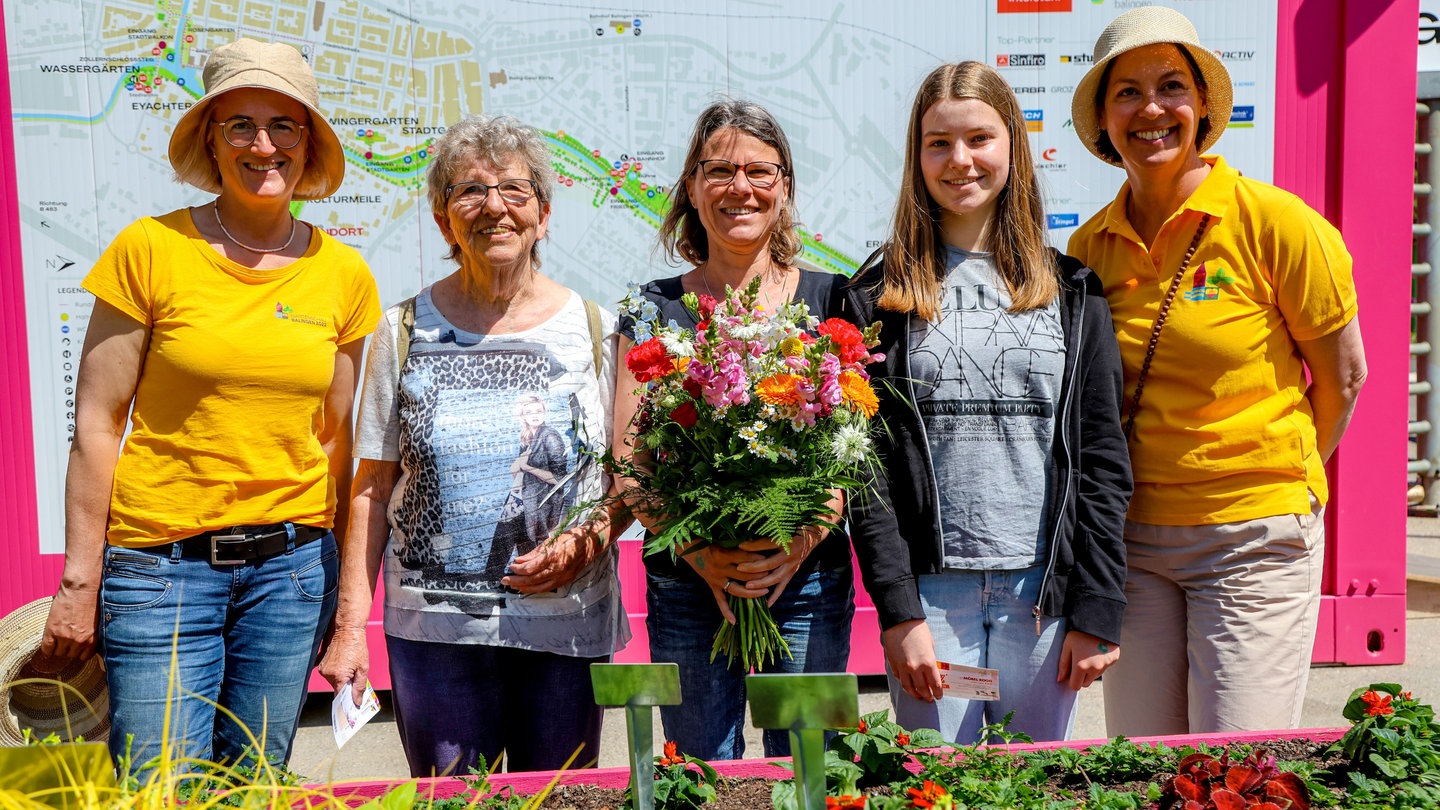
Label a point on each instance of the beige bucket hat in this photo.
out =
(1150, 25)
(72, 702)
(272, 66)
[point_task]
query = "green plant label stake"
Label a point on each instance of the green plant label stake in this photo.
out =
(806, 705)
(639, 688)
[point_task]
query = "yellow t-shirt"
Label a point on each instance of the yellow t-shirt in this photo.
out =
(1224, 432)
(229, 409)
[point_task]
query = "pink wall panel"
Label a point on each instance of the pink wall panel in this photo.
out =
(1344, 143)
(25, 574)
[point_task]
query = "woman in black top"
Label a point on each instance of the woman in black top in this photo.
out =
(733, 218)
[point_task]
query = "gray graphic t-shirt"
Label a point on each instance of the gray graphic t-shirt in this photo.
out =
(496, 436)
(986, 385)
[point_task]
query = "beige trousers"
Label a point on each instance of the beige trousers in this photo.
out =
(1219, 626)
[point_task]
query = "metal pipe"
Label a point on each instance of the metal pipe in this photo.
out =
(1427, 326)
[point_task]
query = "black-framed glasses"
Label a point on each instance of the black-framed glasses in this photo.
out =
(515, 191)
(760, 173)
(240, 132)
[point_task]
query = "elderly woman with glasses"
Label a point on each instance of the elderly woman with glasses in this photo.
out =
(230, 334)
(732, 217)
(495, 603)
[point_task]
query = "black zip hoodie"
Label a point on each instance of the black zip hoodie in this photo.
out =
(894, 523)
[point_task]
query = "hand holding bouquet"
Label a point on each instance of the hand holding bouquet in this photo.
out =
(745, 426)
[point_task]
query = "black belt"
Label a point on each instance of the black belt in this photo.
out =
(242, 544)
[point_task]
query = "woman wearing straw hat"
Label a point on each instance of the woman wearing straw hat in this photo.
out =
(1225, 292)
(231, 333)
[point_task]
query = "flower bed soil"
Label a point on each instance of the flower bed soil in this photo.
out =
(748, 782)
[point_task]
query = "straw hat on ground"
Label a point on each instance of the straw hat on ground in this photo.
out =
(1151, 25)
(277, 67)
(70, 703)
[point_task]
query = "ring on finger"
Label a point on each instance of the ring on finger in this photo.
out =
(728, 583)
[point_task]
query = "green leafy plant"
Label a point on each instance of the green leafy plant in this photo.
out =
(681, 781)
(879, 749)
(1393, 749)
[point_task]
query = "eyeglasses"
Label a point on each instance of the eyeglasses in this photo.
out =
(760, 173)
(241, 132)
(516, 191)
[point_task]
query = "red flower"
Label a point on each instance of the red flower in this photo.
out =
(1406, 696)
(863, 728)
(685, 416)
(927, 794)
(706, 305)
(902, 739)
(649, 360)
(672, 755)
(844, 803)
(847, 338)
(1377, 703)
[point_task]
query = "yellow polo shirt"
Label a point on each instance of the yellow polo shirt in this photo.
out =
(229, 409)
(1224, 431)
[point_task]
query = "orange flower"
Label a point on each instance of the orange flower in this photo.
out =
(844, 803)
(672, 755)
(927, 794)
(857, 391)
(1377, 703)
(780, 389)
(902, 739)
(862, 727)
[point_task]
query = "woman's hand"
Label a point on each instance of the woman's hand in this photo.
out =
(1083, 658)
(347, 660)
(910, 651)
(720, 568)
(70, 627)
(558, 561)
(775, 569)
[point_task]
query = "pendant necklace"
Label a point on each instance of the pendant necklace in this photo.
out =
(294, 226)
(705, 279)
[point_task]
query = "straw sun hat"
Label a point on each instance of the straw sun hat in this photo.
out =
(277, 67)
(45, 705)
(1139, 27)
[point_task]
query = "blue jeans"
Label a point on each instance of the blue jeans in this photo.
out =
(986, 619)
(243, 636)
(814, 617)
(457, 702)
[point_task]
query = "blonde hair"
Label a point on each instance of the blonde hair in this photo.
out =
(915, 254)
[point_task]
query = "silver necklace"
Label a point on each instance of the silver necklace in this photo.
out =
(294, 226)
(705, 279)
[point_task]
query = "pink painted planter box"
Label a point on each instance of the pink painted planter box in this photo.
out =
(536, 781)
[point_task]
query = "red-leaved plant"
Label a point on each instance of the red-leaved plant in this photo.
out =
(1207, 783)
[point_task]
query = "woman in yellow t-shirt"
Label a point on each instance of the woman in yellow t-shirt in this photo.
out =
(1225, 292)
(230, 332)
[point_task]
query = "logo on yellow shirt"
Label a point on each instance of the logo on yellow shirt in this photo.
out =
(1207, 280)
(287, 313)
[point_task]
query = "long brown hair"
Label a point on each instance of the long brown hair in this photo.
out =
(681, 233)
(915, 254)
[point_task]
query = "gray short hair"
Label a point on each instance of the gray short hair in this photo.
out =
(496, 139)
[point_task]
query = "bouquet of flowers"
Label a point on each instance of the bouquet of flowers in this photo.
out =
(745, 426)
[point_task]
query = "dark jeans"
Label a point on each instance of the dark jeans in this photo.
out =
(814, 616)
(457, 702)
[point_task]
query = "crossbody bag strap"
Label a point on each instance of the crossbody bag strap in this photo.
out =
(1160, 324)
(592, 316)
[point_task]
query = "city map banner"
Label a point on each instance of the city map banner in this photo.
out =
(96, 85)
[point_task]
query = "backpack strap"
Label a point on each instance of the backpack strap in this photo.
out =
(407, 331)
(592, 316)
